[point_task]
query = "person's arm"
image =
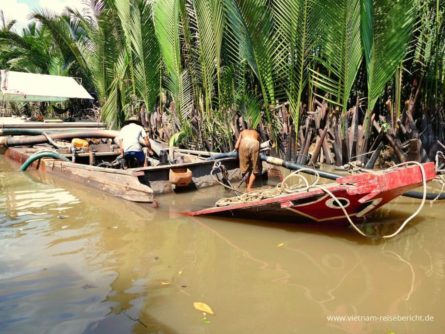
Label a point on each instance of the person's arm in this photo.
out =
(238, 142)
(121, 146)
(147, 143)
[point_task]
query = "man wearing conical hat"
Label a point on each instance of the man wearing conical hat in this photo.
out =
(129, 141)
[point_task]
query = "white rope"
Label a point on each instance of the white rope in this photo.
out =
(422, 170)
(278, 190)
(439, 155)
(298, 188)
(347, 216)
(402, 226)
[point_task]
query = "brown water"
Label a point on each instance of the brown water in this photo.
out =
(73, 260)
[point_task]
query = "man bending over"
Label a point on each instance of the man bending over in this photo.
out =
(248, 147)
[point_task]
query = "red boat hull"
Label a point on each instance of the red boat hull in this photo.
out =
(359, 195)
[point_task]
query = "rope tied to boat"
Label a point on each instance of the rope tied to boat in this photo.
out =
(224, 180)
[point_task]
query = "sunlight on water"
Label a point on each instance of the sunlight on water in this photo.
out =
(74, 260)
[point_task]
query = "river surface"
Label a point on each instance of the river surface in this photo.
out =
(74, 260)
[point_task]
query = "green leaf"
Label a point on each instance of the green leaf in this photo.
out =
(341, 50)
(386, 27)
(174, 140)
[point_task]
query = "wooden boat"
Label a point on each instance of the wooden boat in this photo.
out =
(93, 166)
(353, 195)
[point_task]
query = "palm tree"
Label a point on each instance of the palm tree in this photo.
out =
(28, 51)
(6, 25)
(217, 58)
(297, 30)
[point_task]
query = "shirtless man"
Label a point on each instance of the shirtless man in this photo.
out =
(248, 147)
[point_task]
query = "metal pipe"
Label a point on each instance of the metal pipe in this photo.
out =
(40, 125)
(39, 139)
(21, 132)
(233, 154)
(35, 132)
(295, 166)
(331, 176)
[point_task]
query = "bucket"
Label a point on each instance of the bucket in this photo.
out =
(180, 177)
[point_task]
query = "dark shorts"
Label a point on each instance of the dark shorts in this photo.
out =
(139, 155)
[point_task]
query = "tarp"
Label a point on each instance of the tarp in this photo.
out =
(22, 87)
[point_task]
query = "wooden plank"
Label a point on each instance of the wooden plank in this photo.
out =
(125, 186)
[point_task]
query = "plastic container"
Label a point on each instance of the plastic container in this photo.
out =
(79, 143)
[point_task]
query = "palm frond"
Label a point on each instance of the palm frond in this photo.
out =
(209, 32)
(296, 24)
(166, 22)
(386, 28)
(147, 54)
(61, 34)
(252, 34)
(341, 50)
(113, 110)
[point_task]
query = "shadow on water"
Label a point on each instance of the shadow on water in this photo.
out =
(117, 323)
(379, 224)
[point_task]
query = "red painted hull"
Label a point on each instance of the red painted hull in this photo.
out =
(359, 194)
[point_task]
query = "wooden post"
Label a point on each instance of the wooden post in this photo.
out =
(318, 146)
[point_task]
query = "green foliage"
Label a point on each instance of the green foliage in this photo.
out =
(29, 51)
(137, 23)
(217, 58)
(386, 28)
(166, 19)
(429, 49)
(341, 50)
(252, 36)
(297, 29)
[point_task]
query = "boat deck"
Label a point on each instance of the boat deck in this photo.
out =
(133, 184)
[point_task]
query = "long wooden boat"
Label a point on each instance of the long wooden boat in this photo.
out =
(133, 184)
(353, 195)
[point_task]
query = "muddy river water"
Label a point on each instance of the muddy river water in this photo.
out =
(74, 260)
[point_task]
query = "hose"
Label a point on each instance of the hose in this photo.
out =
(50, 140)
(429, 196)
(41, 138)
(20, 132)
(40, 155)
(233, 154)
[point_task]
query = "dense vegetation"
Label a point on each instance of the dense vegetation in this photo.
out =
(318, 76)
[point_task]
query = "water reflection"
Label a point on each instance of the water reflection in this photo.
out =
(75, 260)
